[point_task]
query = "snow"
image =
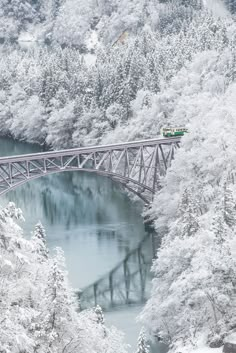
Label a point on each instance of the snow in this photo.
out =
(92, 40)
(231, 338)
(92, 43)
(90, 59)
(128, 91)
(201, 347)
(26, 37)
(38, 307)
(205, 350)
(217, 7)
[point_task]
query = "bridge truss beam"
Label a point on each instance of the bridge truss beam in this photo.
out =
(139, 165)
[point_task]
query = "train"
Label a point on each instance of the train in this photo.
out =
(173, 131)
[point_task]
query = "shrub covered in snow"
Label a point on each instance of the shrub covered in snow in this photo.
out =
(39, 312)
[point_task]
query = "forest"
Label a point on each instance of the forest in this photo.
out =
(155, 63)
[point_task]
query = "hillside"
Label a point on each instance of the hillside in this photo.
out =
(70, 21)
(73, 103)
(156, 63)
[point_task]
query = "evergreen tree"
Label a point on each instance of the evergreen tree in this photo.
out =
(56, 324)
(143, 347)
(39, 239)
(188, 223)
(38, 310)
(228, 204)
(218, 225)
(100, 316)
(224, 215)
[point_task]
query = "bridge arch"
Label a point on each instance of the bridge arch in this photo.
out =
(138, 165)
(125, 182)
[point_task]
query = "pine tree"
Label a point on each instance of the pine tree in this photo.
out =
(100, 317)
(39, 239)
(231, 65)
(38, 309)
(188, 223)
(56, 324)
(224, 218)
(219, 226)
(143, 347)
(228, 203)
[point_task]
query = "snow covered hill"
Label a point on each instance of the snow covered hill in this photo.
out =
(70, 21)
(157, 63)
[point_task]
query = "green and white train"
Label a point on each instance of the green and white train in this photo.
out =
(173, 131)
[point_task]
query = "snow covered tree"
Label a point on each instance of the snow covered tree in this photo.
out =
(115, 114)
(39, 240)
(61, 120)
(99, 313)
(142, 343)
(38, 308)
(187, 224)
(228, 204)
(74, 19)
(219, 227)
(194, 284)
(57, 317)
(16, 15)
(224, 214)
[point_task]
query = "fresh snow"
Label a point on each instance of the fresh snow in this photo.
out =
(217, 7)
(92, 41)
(90, 59)
(38, 307)
(231, 338)
(178, 70)
(26, 37)
(204, 350)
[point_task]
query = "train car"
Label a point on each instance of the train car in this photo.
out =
(173, 131)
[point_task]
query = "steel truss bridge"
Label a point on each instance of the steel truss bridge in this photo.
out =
(138, 165)
(127, 283)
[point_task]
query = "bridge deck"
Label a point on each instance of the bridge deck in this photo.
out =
(137, 165)
(90, 149)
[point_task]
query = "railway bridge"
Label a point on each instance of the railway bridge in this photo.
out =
(137, 165)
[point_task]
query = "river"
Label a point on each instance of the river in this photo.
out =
(90, 217)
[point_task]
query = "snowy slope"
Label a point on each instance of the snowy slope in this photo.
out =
(193, 290)
(217, 7)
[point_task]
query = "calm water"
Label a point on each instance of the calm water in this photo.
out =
(90, 217)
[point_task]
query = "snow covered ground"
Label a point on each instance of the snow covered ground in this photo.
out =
(217, 7)
(205, 350)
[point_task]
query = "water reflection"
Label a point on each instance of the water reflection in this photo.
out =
(89, 216)
(9, 147)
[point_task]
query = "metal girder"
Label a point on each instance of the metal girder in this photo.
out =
(138, 165)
